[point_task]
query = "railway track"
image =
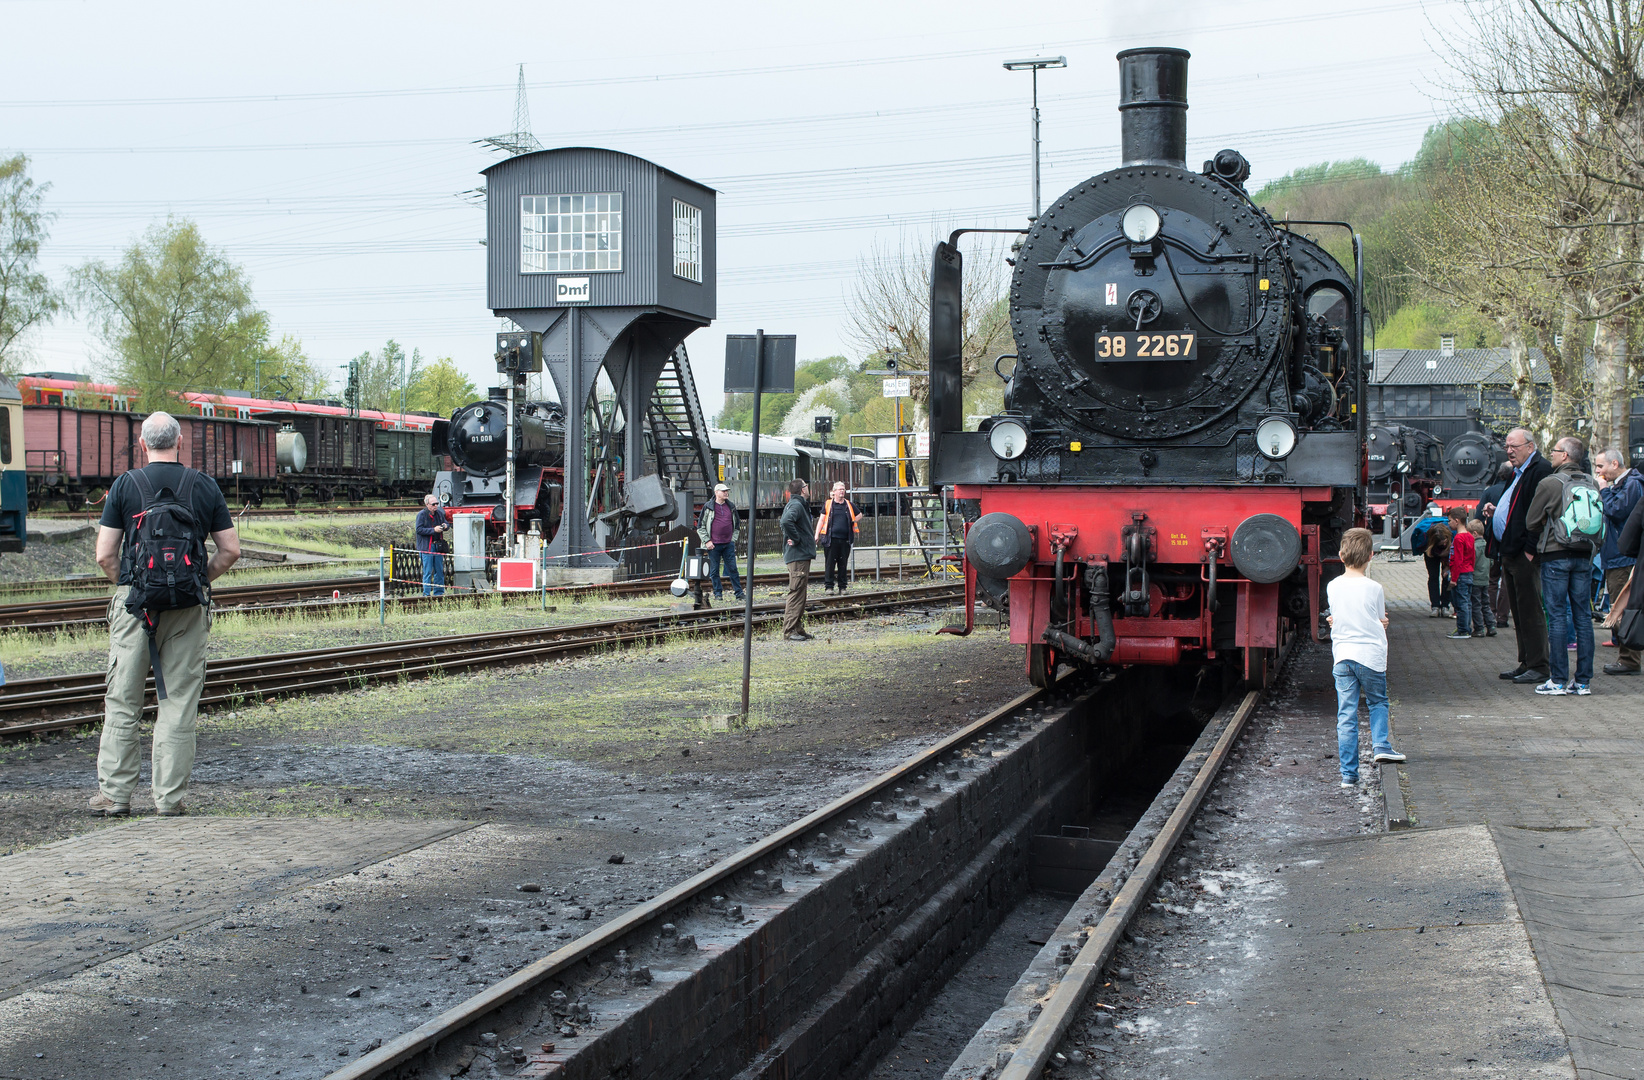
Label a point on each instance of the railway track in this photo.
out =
(746, 1000)
(73, 613)
(316, 511)
(54, 703)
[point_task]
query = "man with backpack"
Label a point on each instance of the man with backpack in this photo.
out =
(1568, 513)
(151, 544)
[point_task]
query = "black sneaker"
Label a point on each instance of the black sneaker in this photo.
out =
(1619, 669)
(1515, 673)
(1531, 677)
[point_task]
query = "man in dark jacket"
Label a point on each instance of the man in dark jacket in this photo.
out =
(1621, 488)
(1516, 545)
(431, 528)
(1566, 560)
(717, 528)
(798, 549)
(1495, 596)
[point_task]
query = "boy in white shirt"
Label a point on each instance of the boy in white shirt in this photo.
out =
(1358, 643)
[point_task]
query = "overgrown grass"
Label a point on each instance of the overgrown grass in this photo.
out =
(617, 700)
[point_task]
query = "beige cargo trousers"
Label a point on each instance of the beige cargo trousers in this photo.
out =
(181, 636)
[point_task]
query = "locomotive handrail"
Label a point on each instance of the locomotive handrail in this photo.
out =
(953, 237)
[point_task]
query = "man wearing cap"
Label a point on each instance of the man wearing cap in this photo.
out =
(717, 527)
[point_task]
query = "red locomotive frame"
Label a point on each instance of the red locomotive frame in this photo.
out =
(1190, 530)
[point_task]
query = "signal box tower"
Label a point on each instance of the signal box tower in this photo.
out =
(611, 260)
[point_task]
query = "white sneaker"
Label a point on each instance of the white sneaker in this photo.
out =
(1578, 689)
(1551, 689)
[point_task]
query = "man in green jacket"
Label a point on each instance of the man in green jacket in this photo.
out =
(798, 549)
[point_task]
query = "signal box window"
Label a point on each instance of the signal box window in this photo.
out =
(570, 232)
(687, 242)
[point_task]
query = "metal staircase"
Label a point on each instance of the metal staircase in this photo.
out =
(939, 539)
(678, 427)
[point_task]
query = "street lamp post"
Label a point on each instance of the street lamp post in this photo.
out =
(1035, 65)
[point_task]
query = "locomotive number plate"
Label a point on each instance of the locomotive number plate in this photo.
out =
(1128, 345)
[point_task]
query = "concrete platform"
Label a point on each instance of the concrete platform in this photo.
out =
(1501, 934)
(74, 904)
(59, 530)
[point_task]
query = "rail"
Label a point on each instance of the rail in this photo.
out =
(383, 1061)
(53, 703)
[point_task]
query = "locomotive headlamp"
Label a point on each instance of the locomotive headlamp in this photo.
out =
(1141, 224)
(1008, 438)
(1275, 438)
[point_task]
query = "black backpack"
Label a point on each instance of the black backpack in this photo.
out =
(166, 558)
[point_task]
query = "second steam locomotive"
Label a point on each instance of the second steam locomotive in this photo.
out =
(1182, 442)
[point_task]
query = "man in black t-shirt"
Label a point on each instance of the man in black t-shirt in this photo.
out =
(180, 634)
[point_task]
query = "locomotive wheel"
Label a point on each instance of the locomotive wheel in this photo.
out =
(1042, 661)
(1261, 668)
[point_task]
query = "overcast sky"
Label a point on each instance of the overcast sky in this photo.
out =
(330, 147)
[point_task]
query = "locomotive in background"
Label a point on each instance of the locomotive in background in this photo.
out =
(1404, 465)
(1182, 444)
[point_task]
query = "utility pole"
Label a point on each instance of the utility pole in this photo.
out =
(1035, 65)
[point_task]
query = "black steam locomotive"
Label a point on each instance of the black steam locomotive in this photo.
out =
(476, 440)
(1183, 438)
(1404, 466)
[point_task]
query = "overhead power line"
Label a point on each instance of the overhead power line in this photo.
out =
(1324, 13)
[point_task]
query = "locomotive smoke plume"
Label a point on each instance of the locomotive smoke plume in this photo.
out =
(1153, 106)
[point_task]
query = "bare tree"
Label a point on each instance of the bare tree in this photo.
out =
(1561, 83)
(889, 312)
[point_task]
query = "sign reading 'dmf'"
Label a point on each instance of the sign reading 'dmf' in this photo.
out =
(571, 290)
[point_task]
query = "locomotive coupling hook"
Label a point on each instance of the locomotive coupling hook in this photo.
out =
(1212, 552)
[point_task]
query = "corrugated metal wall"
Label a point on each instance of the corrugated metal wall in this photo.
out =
(646, 278)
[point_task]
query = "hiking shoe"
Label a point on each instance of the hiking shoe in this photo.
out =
(1459, 635)
(171, 811)
(1383, 757)
(1619, 669)
(1578, 689)
(1551, 689)
(103, 806)
(801, 636)
(1491, 632)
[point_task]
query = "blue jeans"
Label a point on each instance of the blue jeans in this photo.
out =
(1566, 591)
(433, 574)
(723, 556)
(1484, 612)
(1461, 595)
(1351, 678)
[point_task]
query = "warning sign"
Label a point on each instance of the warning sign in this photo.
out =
(1112, 293)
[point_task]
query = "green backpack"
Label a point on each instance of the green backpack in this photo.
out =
(1580, 520)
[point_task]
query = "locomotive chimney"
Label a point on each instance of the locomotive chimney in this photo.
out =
(1153, 106)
